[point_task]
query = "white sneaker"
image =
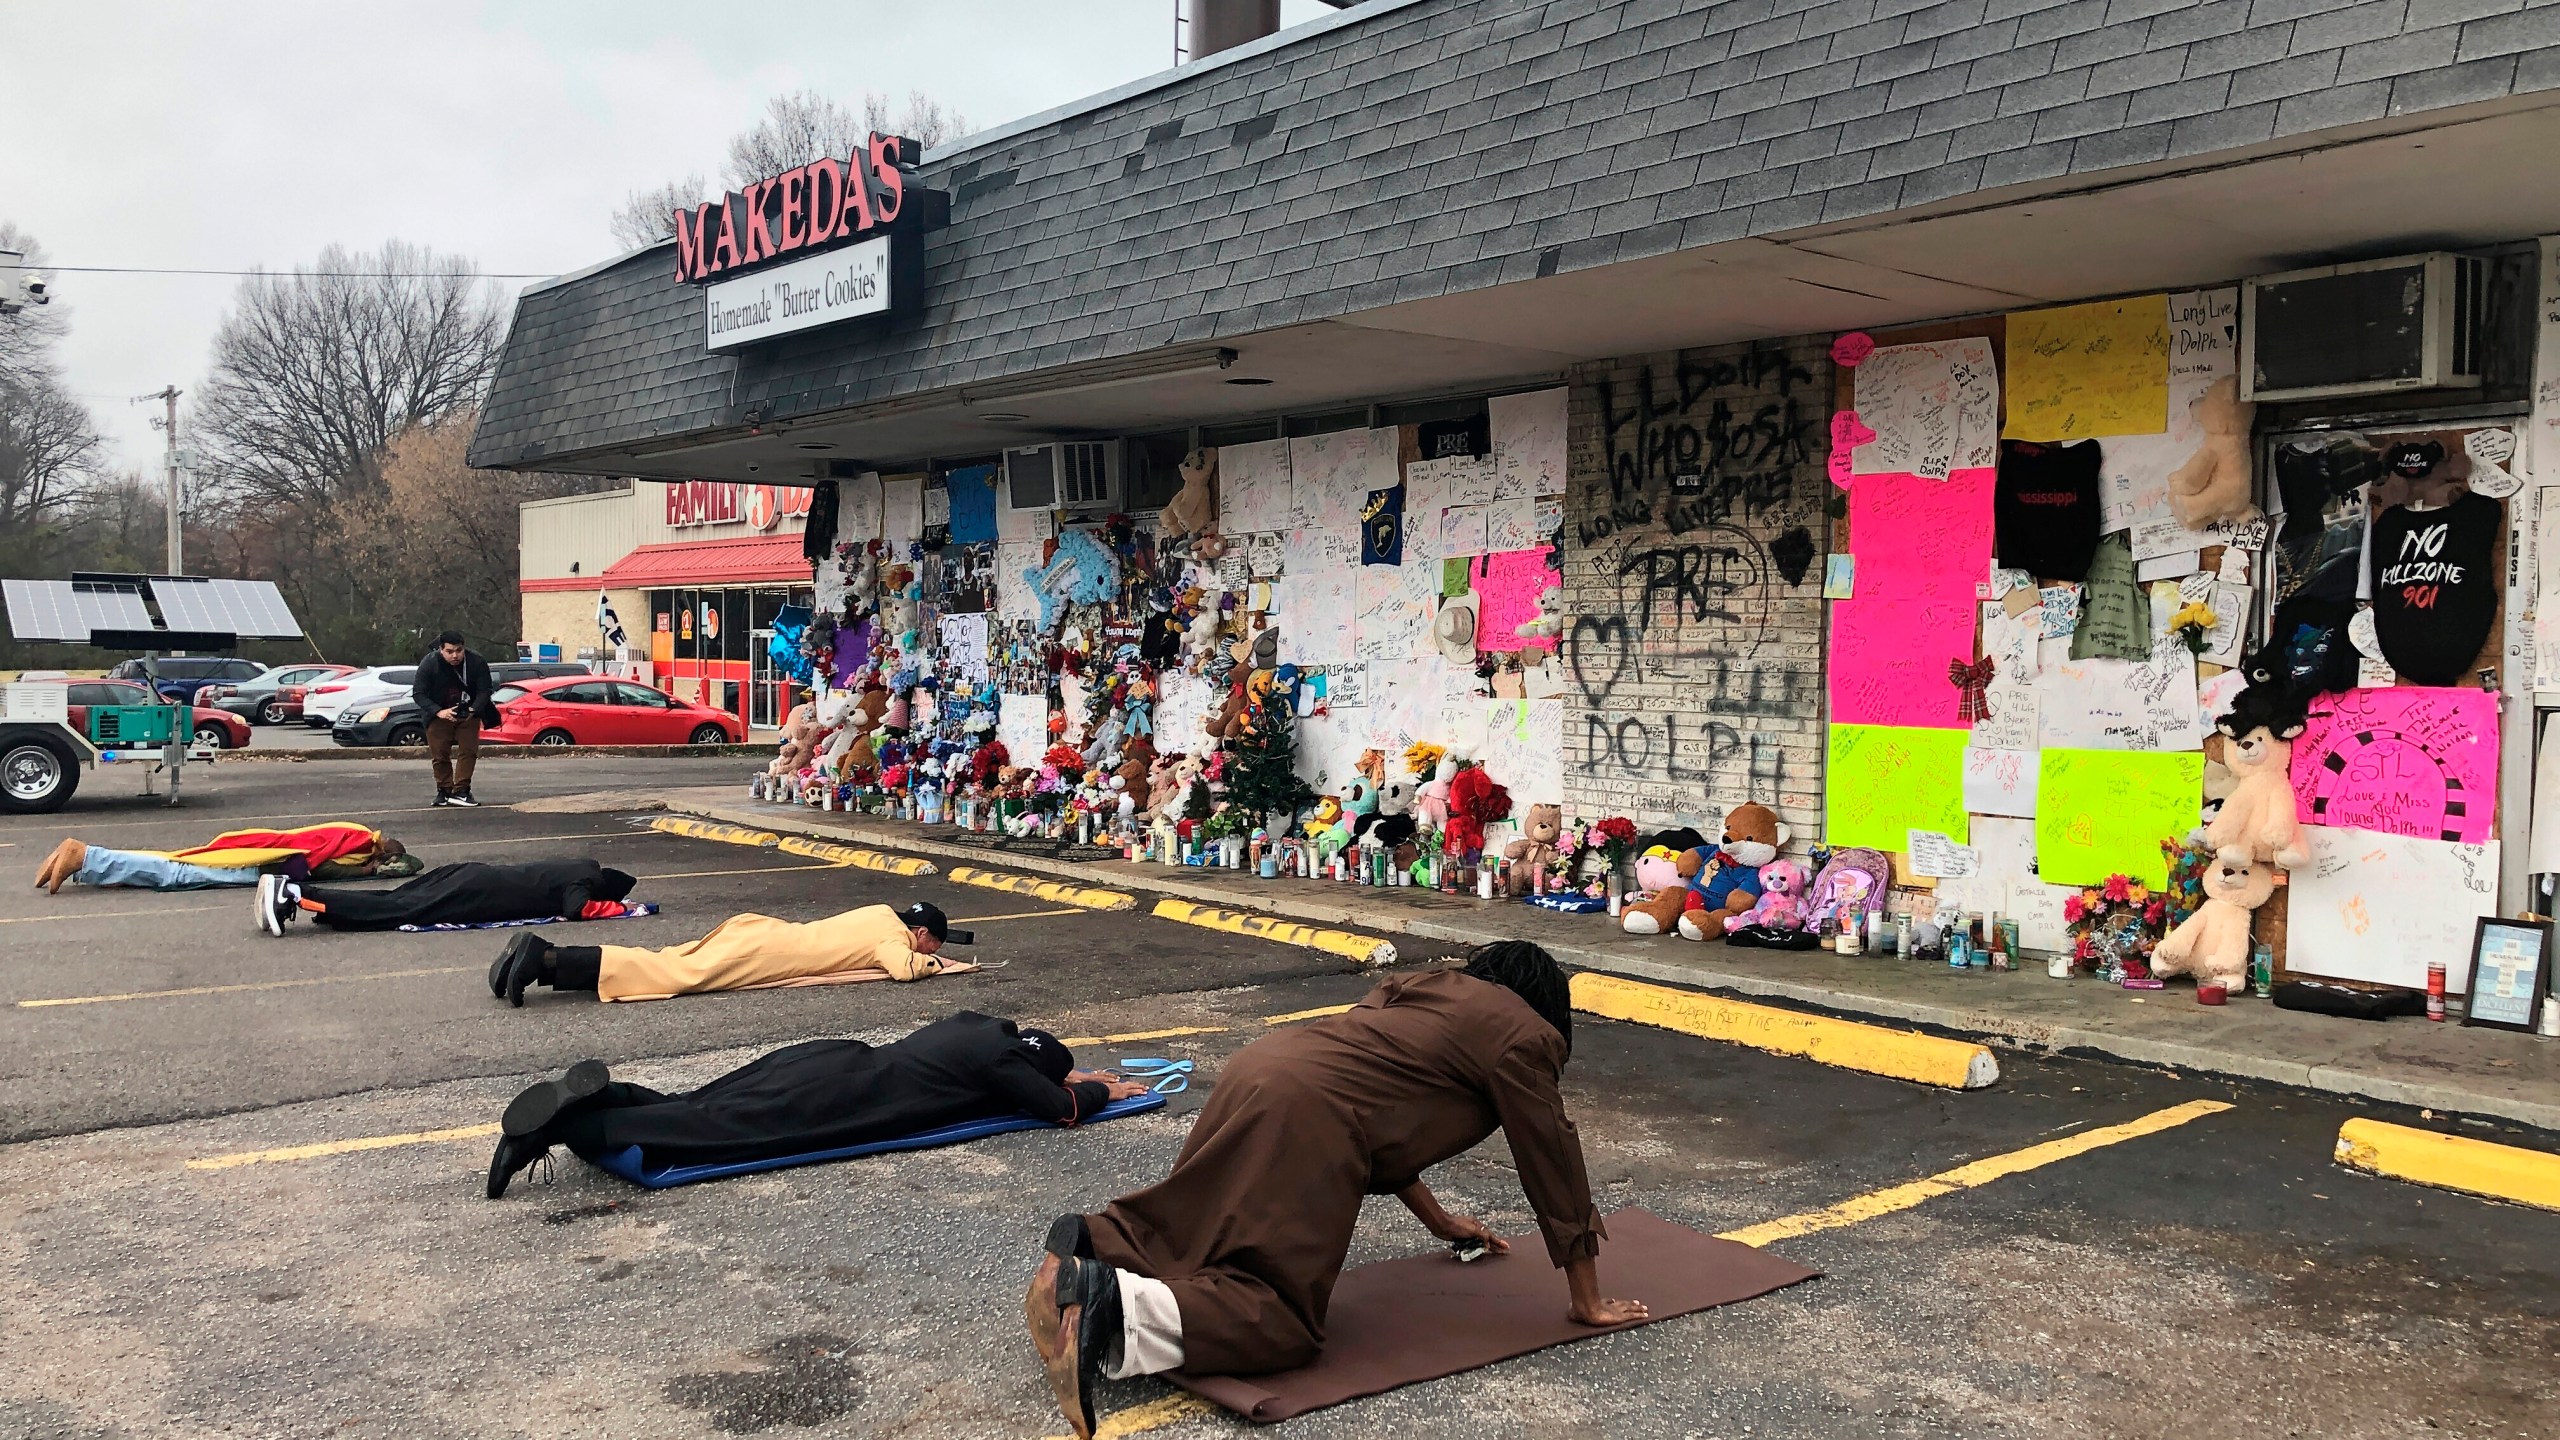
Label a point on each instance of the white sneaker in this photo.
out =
(270, 888)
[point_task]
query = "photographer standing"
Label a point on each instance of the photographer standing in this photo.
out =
(453, 688)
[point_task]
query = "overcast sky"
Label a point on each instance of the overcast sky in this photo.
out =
(254, 132)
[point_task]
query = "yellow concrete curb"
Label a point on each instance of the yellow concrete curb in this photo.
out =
(859, 859)
(691, 828)
(1054, 890)
(2451, 1162)
(1900, 1054)
(1361, 948)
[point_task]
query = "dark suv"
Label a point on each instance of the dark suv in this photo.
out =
(401, 722)
(182, 676)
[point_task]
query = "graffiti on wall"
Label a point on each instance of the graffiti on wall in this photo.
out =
(1692, 592)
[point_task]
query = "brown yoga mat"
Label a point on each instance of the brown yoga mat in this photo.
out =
(1400, 1322)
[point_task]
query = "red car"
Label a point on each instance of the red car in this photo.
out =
(593, 710)
(214, 727)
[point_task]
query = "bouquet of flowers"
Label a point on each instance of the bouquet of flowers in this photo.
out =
(2194, 623)
(2114, 927)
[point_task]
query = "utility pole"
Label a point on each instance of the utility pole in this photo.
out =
(168, 395)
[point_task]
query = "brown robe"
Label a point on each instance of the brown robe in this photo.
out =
(1251, 1228)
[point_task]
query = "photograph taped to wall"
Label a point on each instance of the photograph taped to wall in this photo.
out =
(1253, 487)
(968, 579)
(2378, 908)
(964, 648)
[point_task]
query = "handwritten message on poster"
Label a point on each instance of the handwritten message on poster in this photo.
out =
(1396, 603)
(1885, 781)
(1889, 660)
(1314, 611)
(2133, 473)
(1329, 477)
(2009, 642)
(1932, 409)
(2405, 760)
(1917, 537)
(2122, 704)
(2105, 812)
(2077, 372)
(1528, 434)
(1507, 589)
(1022, 723)
(1253, 487)
(2001, 782)
(2378, 907)
(1523, 748)
(2114, 619)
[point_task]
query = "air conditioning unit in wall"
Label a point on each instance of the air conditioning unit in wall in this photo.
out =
(1075, 475)
(2374, 327)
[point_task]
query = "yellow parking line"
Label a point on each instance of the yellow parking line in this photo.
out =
(2451, 1162)
(1145, 1035)
(238, 989)
(1848, 1044)
(341, 1147)
(1288, 932)
(1318, 1013)
(1154, 1415)
(111, 914)
(1059, 891)
(1895, 1198)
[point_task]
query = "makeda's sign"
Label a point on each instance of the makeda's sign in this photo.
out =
(829, 241)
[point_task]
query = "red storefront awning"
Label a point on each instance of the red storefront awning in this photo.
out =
(763, 559)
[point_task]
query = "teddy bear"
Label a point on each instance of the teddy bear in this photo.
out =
(1536, 847)
(1194, 508)
(799, 735)
(1714, 884)
(1431, 798)
(1781, 902)
(2214, 483)
(2259, 819)
(1392, 823)
(1229, 722)
(2213, 943)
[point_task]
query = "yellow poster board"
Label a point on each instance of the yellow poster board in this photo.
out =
(2082, 371)
(1885, 781)
(2105, 812)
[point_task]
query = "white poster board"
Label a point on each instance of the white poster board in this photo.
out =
(1528, 434)
(2379, 908)
(1253, 487)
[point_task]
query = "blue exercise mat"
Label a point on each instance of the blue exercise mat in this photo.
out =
(627, 1163)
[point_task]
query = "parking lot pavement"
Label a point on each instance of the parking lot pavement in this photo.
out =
(2216, 1278)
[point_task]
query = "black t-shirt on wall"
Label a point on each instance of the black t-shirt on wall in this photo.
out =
(2046, 505)
(2435, 592)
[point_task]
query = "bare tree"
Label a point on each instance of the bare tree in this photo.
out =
(648, 216)
(27, 336)
(805, 125)
(48, 447)
(926, 120)
(315, 371)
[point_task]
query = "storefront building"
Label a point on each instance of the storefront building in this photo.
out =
(696, 573)
(1731, 368)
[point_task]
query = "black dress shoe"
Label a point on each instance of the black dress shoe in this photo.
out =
(520, 965)
(1075, 1324)
(532, 1112)
(511, 1156)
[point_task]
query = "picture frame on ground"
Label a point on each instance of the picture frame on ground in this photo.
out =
(2510, 973)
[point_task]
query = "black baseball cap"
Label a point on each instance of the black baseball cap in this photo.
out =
(936, 924)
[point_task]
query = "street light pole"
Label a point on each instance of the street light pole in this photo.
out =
(168, 395)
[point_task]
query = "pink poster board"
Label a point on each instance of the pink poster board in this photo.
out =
(1507, 588)
(1889, 658)
(1918, 538)
(2402, 759)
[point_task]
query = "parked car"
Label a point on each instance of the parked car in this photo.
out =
(594, 710)
(373, 685)
(182, 676)
(260, 699)
(209, 726)
(399, 721)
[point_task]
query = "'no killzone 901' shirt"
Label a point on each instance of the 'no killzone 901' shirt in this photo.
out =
(2434, 590)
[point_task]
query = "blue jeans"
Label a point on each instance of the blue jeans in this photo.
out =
(156, 872)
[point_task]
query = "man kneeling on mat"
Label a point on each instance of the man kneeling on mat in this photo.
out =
(466, 894)
(747, 952)
(1225, 1266)
(821, 1095)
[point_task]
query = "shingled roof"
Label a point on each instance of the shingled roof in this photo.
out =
(1413, 148)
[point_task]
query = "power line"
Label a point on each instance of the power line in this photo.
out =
(282, 274)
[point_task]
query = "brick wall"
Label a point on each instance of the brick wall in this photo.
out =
(1695, 530)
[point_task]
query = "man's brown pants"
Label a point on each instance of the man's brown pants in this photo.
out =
(453, 747)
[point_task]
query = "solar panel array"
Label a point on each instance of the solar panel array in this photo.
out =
(71, 610)
(250, 609)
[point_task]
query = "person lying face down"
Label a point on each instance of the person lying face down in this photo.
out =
(746, 952)
(818, 1095)
(1225, 1266)
(468, 893)
(334, 850)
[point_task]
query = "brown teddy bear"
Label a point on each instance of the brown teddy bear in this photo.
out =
(1716, 884)
(2214, 483)
(1535, 847)
(1229, 722)
(1194, 508)
(2213, 943)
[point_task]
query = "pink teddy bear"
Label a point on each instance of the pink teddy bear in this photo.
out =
(1780, 906)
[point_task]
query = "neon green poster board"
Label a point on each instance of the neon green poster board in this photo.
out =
(1885, 781)
(2105, 812)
